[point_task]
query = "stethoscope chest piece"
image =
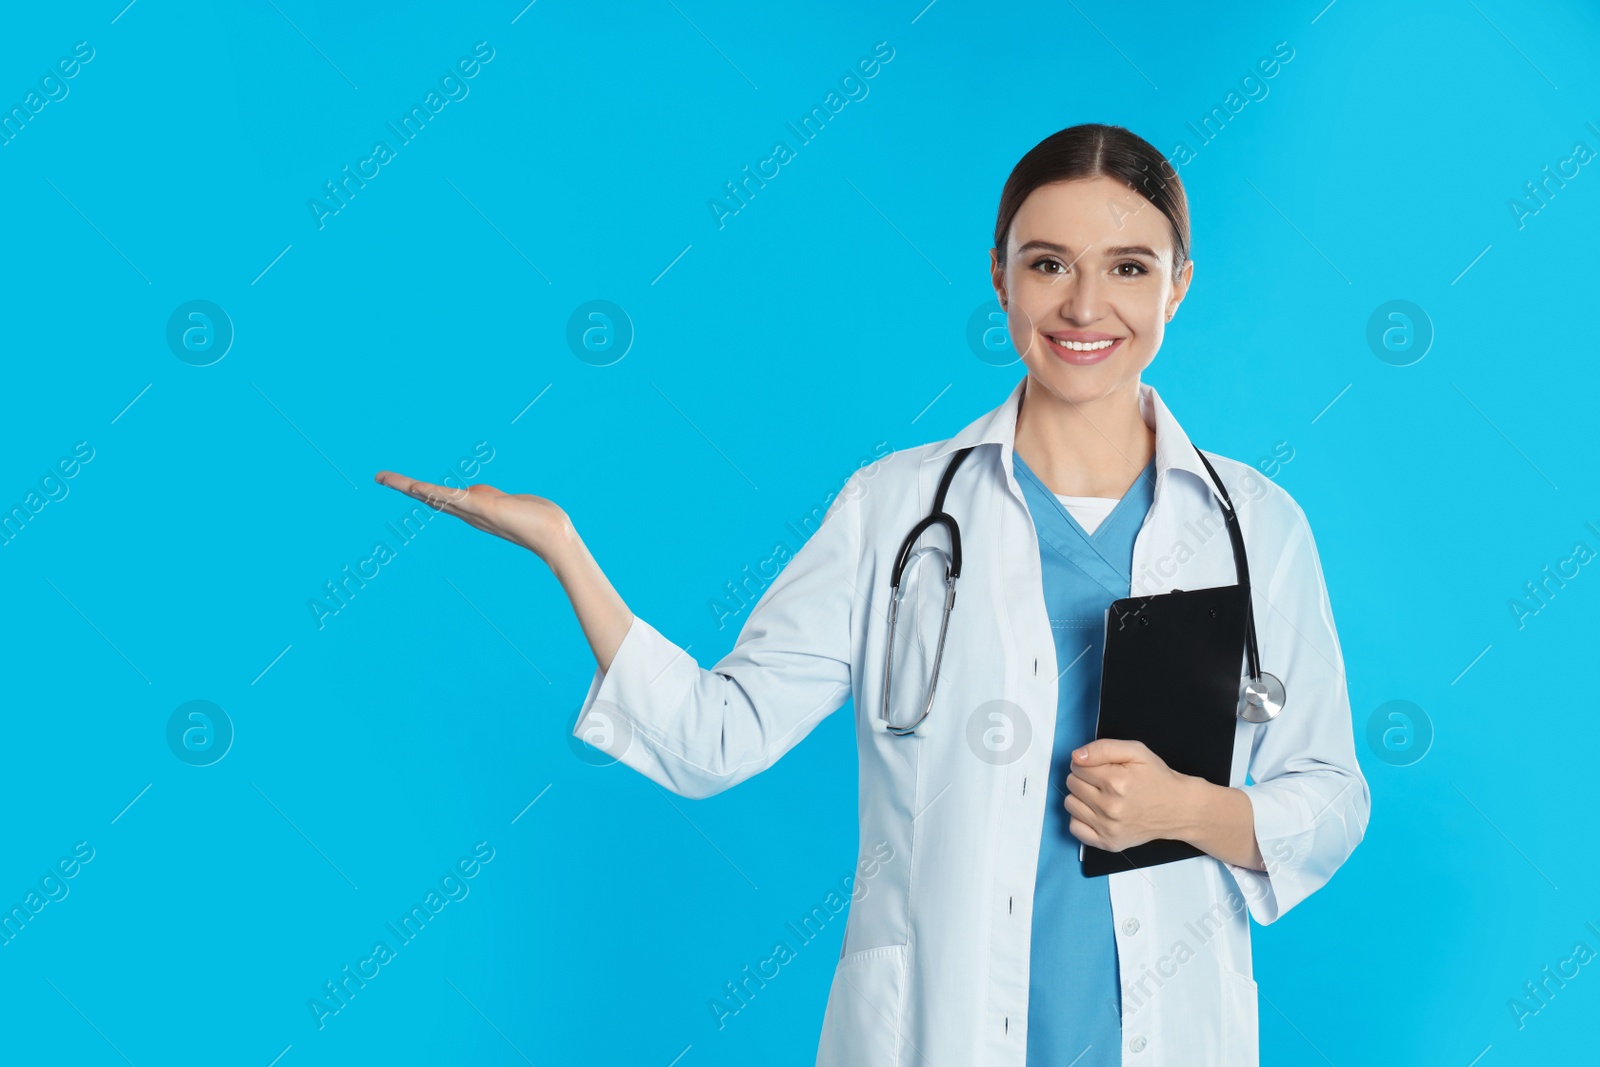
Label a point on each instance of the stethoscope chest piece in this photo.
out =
(1260, 699)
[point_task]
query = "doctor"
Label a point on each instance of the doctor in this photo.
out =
(981, 942)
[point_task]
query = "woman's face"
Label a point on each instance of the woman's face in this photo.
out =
(1088, 285)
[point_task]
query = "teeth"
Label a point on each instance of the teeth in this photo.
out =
(1084, 346)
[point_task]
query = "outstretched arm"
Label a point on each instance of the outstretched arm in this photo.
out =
(540, 526)
(650, 704)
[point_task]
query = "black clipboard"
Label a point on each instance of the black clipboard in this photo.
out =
(1170, 678)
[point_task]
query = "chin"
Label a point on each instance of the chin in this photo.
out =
(1081, 383)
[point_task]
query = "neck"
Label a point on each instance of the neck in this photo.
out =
(1093, 448)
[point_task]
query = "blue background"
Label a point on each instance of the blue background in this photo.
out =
(769, 357)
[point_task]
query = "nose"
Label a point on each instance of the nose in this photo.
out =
(1081, 300)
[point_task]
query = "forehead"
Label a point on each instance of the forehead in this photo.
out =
(1088, 213)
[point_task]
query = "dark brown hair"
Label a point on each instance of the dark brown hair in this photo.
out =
(1093, 150)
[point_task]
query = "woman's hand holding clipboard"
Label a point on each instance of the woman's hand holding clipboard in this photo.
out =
(1169, 683)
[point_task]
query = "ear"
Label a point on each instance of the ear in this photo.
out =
(1180, 287)
(997, 276)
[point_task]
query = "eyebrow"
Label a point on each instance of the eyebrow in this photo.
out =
(1118, 250)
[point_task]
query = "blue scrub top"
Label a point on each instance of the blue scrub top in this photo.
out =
(1074, 989)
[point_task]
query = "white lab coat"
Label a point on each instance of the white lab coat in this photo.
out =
(934, 967)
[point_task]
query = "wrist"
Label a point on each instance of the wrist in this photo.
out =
(562, 550)
(1220, 821)
(1196, 808)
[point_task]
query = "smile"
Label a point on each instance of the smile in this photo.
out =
(1083, 346)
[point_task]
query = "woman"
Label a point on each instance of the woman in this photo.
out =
(981, 941)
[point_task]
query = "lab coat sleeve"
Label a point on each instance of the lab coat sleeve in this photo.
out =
(1309, 797)
(697, 731)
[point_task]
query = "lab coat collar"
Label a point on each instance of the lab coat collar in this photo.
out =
(1173, 448)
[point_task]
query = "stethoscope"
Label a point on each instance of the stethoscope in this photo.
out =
(1261, 695)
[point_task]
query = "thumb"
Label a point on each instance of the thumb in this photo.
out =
(1107, 750)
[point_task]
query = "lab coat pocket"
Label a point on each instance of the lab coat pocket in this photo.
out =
(861, 1027)
(1240, 1020)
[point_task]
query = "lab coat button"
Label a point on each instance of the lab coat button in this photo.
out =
(1137, 1044)
(1130, 926)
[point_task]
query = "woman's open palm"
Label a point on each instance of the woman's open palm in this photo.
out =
(531, 521)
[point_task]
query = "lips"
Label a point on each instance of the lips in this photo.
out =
(1082, 347)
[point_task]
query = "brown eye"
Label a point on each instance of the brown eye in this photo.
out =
(1137, 269)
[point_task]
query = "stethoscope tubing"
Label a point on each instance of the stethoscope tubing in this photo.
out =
(1261, 695)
